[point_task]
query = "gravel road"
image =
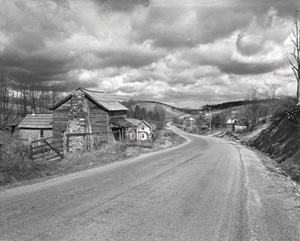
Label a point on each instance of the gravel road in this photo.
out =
(206, 189)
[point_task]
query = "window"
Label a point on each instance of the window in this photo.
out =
(143, 135)
(142, 128)
(42, 133)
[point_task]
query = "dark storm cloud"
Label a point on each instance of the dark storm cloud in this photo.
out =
(285, 8)
(249, 68)
(123, 5)
(226, 64)
(248, 47)
(171, 27)
(67, 85)
(133, 57)
(40, 40)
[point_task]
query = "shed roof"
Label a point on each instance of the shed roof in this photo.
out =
(37, 121)
(121, 122)
(99, 98)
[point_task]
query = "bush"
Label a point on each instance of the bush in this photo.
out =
(14, 153)
(15, 165)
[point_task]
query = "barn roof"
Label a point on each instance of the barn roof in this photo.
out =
(101, 99)
(104, 100)
(37, 121)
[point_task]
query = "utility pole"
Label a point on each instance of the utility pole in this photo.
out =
(210, 120)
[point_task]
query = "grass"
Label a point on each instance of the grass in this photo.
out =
(17, 169)
(15, 165)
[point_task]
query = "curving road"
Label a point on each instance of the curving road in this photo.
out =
(205, 189)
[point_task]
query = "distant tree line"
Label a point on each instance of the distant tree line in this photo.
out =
(156, 115)
(232, 104)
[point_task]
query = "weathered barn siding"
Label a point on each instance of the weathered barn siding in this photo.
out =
(60, 119)
(35, 126)
(29, 135)
(96, 111)
(121, 114)
(98, 119)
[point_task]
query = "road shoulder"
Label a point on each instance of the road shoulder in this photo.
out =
(86, 162)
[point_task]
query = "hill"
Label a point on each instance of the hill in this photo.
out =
(281, 140)
(170, 111)
(232, 104)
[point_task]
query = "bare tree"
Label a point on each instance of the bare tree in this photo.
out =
(7, 100)
(252, 93)
(295, 63)
(252, 109)
(271, 91)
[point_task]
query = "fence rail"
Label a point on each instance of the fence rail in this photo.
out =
(50, 148)
(46, 149)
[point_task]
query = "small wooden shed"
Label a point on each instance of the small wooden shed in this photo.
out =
(36, 126)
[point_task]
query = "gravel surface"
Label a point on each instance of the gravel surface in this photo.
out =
(204, 189)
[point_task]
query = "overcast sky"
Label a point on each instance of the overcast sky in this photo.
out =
(187, 53)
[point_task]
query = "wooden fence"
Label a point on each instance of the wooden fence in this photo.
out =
(46, 149)
(56, 149)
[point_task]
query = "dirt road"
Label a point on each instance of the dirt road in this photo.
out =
(206, 189)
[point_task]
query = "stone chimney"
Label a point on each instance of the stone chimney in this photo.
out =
(77, 123)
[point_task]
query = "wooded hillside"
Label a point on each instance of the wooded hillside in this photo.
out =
(21, 94)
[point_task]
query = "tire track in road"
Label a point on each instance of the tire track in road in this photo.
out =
(136, 186)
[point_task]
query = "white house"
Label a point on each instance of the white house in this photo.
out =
(140, 130)
(236, 125)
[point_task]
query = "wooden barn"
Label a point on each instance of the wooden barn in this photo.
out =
(87, 111)
(36, 126)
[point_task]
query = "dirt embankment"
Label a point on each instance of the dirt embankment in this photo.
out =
(281, 140)
(21, 170)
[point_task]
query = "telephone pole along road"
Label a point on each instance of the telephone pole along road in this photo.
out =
(205, 189)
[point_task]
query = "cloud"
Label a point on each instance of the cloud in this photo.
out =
(173, 27)
(124, 5)
(185, 53)
(134, 57)
(250, 50)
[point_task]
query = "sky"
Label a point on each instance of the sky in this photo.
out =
(187, 53)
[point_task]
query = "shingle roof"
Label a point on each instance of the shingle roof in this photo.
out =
(37, 121)
(134, 122)
(100, 98)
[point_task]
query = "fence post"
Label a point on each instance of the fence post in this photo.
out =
(65, 144)
(43, 150)
(30, 151)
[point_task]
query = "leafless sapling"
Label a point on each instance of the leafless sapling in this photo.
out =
(295, 62)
